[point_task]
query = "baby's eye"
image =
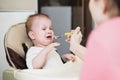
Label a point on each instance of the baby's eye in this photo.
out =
(51, 28)
(44, 29)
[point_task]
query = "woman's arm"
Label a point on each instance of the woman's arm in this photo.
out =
(78, 50)
(74, 40)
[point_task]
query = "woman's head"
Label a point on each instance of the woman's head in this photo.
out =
(39, 29)
(102, 10)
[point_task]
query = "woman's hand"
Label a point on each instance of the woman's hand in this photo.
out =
(74, 38)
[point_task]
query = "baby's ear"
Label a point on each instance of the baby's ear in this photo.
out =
(31, 35)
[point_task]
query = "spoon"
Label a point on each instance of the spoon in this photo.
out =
(65, 34)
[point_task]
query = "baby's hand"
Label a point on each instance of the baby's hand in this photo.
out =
(52, 46)
(69, 56)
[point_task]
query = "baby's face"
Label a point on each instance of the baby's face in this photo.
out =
(43, 31)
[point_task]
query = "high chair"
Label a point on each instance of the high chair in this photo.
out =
(16, 44)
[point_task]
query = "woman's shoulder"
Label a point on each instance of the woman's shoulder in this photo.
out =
(107, 27)
(106, 31)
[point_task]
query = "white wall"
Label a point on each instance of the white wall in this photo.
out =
(18, 5)
(8, 18)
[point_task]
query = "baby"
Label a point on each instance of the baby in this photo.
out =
(43, 54)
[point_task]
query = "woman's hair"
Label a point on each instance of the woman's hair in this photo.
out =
(117, 2)
(113, 7)
(31, 18)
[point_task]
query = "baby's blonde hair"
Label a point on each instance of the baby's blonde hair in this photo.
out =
(31, 18)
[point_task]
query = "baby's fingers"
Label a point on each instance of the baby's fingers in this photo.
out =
(53, 46)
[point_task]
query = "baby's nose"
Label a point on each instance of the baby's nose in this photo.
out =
(49, 31)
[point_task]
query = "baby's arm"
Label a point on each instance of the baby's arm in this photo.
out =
(39, 61)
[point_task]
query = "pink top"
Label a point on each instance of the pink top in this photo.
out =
(102, 59)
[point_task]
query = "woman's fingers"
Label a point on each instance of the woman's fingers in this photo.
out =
(77, 30)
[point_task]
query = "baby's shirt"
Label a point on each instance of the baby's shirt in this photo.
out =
(52, 61)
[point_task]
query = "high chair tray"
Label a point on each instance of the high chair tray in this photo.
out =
(69, 71)
(8, 74)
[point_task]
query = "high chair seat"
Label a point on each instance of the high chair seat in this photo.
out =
(16, 44)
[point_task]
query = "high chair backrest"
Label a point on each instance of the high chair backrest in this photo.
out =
(16, 43)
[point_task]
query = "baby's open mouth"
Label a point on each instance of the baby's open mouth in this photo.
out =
(49, 37)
